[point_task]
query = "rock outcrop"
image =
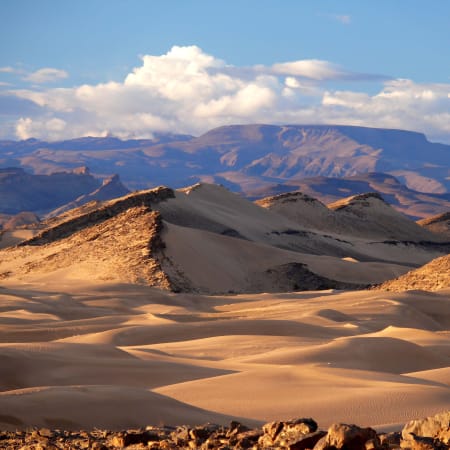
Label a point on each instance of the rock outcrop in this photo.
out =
(431, 277)
(432, 433)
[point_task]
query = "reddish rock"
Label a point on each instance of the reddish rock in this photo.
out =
(351, 437)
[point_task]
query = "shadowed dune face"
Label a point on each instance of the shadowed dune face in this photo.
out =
(124, 355)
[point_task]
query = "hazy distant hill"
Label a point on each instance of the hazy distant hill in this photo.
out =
(246, 157)
(328, 190)
(21, 191)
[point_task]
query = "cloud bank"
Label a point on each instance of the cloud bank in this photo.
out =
(189, 91)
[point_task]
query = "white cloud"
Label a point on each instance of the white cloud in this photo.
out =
(345, 19)
(46, 75)
(310, 68)
(189, 91)
(7, 69)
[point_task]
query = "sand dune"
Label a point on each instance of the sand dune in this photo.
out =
(208, 240)
(102, 321)
(364, 215)
(124, 355)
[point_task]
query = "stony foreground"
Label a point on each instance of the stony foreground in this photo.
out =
(299, 434)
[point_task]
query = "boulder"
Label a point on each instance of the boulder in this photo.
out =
(350, 437)
(289, 433)
(436, 427)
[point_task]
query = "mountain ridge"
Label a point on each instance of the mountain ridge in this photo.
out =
(268, 153)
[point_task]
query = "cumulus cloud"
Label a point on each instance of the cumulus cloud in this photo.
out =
(46, 75)
(189, 91)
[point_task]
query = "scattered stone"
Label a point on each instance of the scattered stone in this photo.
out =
(390, 440)
(431, 433)
(286, 434)
(351, 437)
(437, 426)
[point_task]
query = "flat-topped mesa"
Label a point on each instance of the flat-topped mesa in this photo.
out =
(84, 217)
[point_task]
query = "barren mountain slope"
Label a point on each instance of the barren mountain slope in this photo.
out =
(130, 240)
(21, 191)
(365, 215)
(24, 192)
(439, 224)
(232, 154)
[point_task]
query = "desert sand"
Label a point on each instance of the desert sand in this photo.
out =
(93, 334)
(122, 355)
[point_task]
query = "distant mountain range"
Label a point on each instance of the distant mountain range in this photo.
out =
(328, 162)
(244, 154)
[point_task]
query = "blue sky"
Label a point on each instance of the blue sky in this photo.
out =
(134, 67)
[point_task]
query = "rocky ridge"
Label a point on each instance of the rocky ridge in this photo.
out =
(431, 277)
(439, 224)
(432, 433)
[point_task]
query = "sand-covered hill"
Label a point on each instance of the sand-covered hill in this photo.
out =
(410, 202)
(431, 277)
(365, 215)
(439, 224)
(207, 239)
